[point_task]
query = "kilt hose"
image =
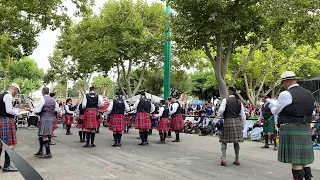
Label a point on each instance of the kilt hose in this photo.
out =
(163, 124)
(232, 131)
(117, 122)
(176, 123)
(80, 126)
(55, 123)
(295, 144)
(268, 125)
(68, 119)
(8, 131)
(90, 118)
(143, 121)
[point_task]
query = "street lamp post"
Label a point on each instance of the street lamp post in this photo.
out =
(167, 54)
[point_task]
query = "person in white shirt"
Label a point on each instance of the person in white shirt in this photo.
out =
(232, 110)
(164, 120)
(68, 115)
(176, 122)
(7, 123)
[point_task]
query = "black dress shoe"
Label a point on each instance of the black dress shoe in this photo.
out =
(87, 145)
(142, 144)
(10, 169)
(92, 145)
(161, 142)
(39, 154)
(46, 156)
(115, 145)
(265, 147)
(176, 140)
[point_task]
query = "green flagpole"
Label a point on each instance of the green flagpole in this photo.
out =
(167, 55)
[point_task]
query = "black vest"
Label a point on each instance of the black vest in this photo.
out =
(178, 109)
(92, 100)
(266, 111)
(301, 107)
(118, 107)
(144, 106)
(3, 111)
(233, 108)
(70, 109)
(165, 113)
(81, 110)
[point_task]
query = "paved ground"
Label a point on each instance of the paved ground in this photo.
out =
(195, 158)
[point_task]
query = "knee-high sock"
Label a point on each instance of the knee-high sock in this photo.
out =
(119, 137)
(161, 135)
(47, 143)
(146, 133)
(274, 139)
(307, 173)
(177, 135)
(236, 150)
(88, 134)
(80, 134)
(164, 136)
(224, 150)
(141, 133)
(266, 140)
(92, 137)
(0, 151)
(83, 135)
(298, 174)
(169, 132)
(6, 160)
(41, 143)
(49, 137)
(115, 138)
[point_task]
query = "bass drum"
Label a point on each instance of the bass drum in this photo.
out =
(106, 104)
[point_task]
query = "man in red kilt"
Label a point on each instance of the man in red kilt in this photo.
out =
(127, 120)
(7, 123)
(168, 103)
(90, 103)
(176, 118)
(144, 107)
(80, 112)
(163, 127)
(117, 108)
(99, 121)
(68, 115)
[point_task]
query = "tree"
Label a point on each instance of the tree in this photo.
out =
(209, 26)
(60, 89)
(103, 85)
(204, 85)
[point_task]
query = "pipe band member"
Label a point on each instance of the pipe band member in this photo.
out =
(295, 107)
(55, 121)
(7, 123)
(234, 116)
(144, 107)
(46, 108)
(68, 115)
(117, 108)
(269, 122)
(90, 103)
(176, 122)
(80, 112)
(163, 127)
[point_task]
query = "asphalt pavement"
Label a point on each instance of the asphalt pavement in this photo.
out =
(194, 158)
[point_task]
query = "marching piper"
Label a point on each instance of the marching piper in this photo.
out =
(90, 103)
(46, 108)
(176, 122)
(164, 121)
(168, 103)
(144, 107)
(117, 108)
(295, 107)
(55, 121)
(68, 115)
(80, 112)
(7, 123)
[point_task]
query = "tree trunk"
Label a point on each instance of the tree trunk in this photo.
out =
(140, 78)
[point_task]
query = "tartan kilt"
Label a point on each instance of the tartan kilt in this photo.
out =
(163, 124)
(295, 145)
(143, 121)
(99, 121)
(116, 123)
(268, 125)
(90, 118)
(127, 121)
(55, 123)
(68, 119)
(176, 122)
(80, 126)
(8, 131)
(232, 131)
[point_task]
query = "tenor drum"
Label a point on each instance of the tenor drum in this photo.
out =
(106, 104)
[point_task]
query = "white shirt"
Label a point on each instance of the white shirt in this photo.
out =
(270, 107)
(137, 103)
(66, 108)
(223, 108)
(7, 99)
(40, 105)
(110, 107)
(284, 100)
(161, 109)
(174, 108)
(84, 101)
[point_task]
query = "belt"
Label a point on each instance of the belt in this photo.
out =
(293, 120)
(10, 118)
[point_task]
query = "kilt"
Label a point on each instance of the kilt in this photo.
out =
(232, 131)
(8, 131)
(68, 119)
(45, 126)
(80, 126)
(116, 123)
(295, 146)
(163, 124)
(99, 121)
(55, 123)
(143, 121)
(90, 118)
(127, 121)
(268, 125)
(176, 122)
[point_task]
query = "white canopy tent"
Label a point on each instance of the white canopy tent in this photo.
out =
(148, 95)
